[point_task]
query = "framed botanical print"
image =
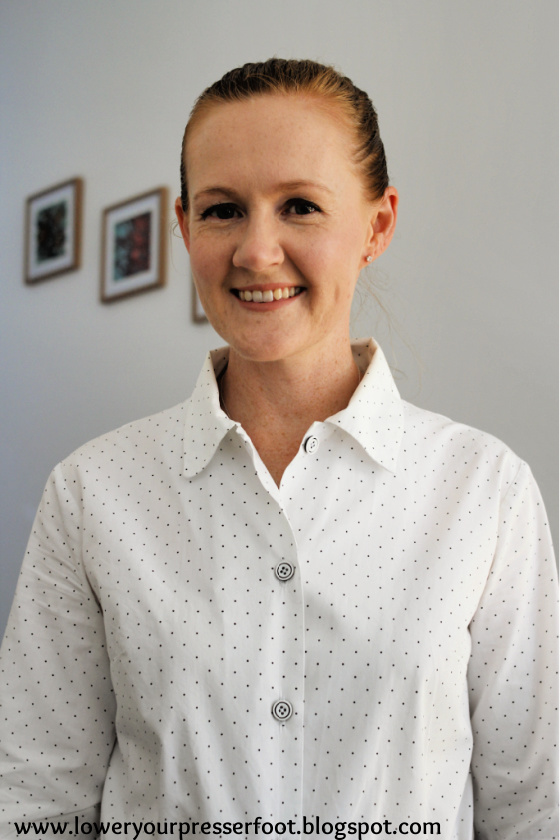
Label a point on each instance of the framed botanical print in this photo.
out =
(53, 231)
(133, 253)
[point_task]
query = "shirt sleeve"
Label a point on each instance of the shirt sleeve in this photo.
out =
(512, 676)
(57, 705)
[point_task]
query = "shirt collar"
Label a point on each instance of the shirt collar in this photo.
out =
(373, 417)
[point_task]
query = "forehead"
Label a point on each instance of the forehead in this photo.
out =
(286, 136)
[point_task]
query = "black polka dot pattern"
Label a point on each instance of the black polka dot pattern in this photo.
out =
(374, 639)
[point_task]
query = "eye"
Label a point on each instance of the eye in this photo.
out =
(301, 207)
(220, 211)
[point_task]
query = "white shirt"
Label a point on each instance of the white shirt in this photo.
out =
(395, 593)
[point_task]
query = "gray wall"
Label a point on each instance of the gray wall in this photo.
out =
(466, 93)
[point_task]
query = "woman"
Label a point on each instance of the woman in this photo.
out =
(294, 603)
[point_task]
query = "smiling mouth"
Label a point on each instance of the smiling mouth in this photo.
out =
(269, 295)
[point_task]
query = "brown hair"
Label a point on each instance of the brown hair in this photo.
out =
(284, 76)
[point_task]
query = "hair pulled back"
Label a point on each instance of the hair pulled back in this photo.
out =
(289, 76)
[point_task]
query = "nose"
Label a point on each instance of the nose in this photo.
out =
(258, 247)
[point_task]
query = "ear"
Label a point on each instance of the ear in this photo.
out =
(383, 222)
(183, 220)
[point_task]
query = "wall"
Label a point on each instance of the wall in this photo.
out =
(466, 93)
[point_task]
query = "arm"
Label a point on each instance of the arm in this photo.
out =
(512, 676)
(56, 703)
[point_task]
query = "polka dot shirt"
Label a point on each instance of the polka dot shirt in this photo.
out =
(372, 640)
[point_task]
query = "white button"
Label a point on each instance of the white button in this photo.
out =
(311, 444)
(282, 710)
(284, 570)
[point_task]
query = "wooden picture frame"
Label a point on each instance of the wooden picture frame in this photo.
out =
(53, 222)
(133, 249)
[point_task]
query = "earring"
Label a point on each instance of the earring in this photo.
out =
(369, 258)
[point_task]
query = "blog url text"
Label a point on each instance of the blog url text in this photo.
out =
(336, 830)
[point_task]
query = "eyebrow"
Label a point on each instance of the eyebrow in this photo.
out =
(286, 186)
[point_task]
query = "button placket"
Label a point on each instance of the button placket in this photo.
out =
(287, 686)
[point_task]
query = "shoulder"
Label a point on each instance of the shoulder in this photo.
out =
(115, 471)
(446, 445)
(153, 438)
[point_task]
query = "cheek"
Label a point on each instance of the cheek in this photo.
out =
(205, 262)
(341, 259)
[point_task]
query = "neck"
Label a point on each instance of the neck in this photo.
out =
(276, 402)
(288, 392)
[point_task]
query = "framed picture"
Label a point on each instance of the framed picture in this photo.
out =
(133, 258)
(53, 231)
(198, 313)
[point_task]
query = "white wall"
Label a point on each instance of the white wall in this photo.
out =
(466, 93)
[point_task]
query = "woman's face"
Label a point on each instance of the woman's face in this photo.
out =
(277, 208)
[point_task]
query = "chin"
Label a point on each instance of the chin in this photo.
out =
(263, 351)
(260, 355)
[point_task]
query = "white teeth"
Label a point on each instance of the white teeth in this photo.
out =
(269, 295)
